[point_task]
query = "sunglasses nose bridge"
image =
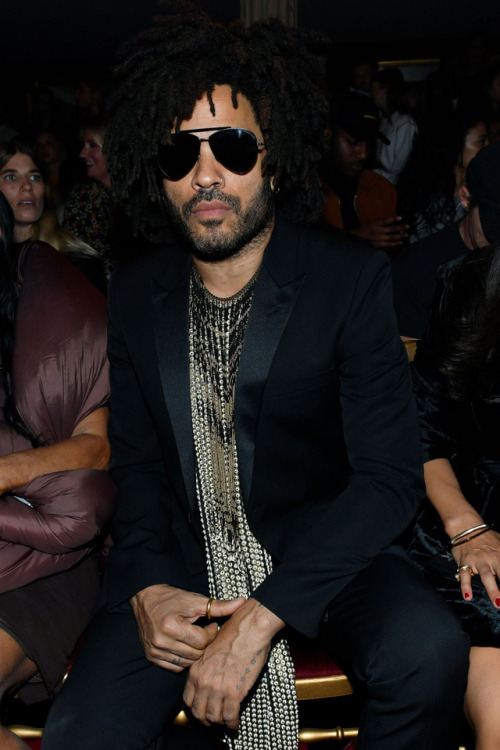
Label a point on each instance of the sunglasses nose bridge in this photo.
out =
(207, 170)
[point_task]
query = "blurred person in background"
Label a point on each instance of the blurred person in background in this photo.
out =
(388, 93)
(357, 199)
(23, 182)
(429, 185)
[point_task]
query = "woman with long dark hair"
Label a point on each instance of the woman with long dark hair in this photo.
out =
(429, 185)
(55, 496)
(24, 183)
(457, 542)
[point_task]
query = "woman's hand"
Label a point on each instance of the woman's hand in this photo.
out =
(482, 555)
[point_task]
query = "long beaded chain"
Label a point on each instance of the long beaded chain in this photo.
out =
(236, 561)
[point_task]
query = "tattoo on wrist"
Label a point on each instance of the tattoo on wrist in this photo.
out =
(248, 669)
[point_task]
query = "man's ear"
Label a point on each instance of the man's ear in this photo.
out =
(465, 197)
(272, 184)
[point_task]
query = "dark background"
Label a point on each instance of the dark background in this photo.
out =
(48, 40)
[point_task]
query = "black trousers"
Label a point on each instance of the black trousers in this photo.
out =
(397, 639)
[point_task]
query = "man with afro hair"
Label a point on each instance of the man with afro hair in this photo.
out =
(264, 440)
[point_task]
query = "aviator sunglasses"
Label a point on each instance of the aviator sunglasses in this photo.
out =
(235, 148)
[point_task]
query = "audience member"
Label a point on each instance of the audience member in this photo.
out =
(362, 73)
(62, 173)
(90, 211)
(399, 128)
(477, 55)
(416, 268)
(45, 110)
(456, 377)
(445, 86)
(263, 432)
(23, 183)
(491, 88)
(88, 99)
(55, 495)
(429, 185)
(414, 100)
(358, 199)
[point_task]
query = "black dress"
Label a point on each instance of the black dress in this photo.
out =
(467, 434)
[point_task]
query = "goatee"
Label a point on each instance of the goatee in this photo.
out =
(215, 244)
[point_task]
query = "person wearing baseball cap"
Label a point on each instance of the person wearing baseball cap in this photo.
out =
(415, 270)
(358, 199)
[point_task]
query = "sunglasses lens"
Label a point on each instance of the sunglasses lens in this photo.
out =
(177, 159)
(235, 149)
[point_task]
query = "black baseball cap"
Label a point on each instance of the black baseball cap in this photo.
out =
(483, 183)
(359, 116)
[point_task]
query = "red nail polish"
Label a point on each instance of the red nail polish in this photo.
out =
(497, 602)
(466, 595)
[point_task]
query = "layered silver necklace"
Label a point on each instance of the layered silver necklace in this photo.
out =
(236, 561)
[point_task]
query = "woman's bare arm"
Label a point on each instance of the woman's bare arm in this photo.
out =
(87, 448)
(482, 553)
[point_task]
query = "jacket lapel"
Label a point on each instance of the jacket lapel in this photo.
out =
(275, 294)
(276, 291)
(171, 324)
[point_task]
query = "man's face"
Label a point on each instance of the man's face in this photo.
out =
(217, 212)
(348, 153)
(475, 139)
(362, 77)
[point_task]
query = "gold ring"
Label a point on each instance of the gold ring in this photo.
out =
(209, 608)
(463, 567)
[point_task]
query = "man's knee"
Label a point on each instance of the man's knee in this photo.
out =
(390, 625)
(422, 649)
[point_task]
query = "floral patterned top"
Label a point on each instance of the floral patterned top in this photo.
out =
(88, 214)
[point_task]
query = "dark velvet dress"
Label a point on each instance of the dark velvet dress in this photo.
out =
(468, 435)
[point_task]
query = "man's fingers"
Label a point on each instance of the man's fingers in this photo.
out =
(221, 608)
(230, 713)
(393, 220)
(211, 631)
(170, 662)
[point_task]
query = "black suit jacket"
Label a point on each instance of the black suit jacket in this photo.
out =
(327, 438)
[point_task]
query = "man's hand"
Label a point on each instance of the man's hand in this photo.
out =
(165, 618)
(389, 232)
(219, 681)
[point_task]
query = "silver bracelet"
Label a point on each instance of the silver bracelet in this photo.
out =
(480, 527)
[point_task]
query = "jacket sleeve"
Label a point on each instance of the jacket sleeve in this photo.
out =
(385, 483)
(146, 549)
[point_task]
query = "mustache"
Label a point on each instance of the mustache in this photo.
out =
(211, 194)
